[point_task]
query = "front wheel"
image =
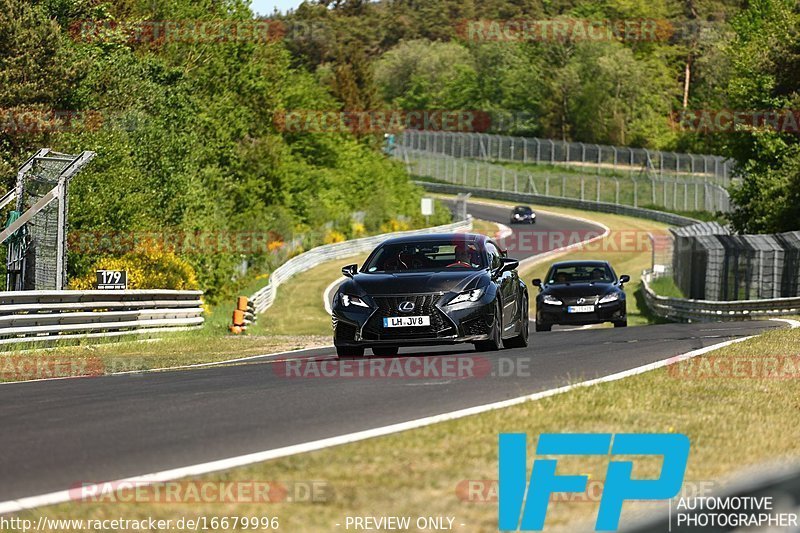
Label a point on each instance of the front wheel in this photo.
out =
(349, 351)
(543, 327)
(621, 323)
(495, 341)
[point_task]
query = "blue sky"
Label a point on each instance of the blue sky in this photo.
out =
(266, 7)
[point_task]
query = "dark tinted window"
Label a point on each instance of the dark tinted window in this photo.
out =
(523, 210)
(580, 274)
(423, 256)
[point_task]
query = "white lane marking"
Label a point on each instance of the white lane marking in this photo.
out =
(326, 296)
(63, 496)
(503, 231)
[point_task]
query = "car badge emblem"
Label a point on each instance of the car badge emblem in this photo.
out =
(406, 307)
(581, 300)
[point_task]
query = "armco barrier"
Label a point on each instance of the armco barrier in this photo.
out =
(536, 199)
(35, 316)
(264, 297)
(687, 310)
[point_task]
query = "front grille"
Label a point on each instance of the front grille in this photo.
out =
(481, 325)
(424, 304)
(344, 331)
(588, 300)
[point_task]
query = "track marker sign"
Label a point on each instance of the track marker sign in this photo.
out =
(427, 206)
(514, 503)
(112, 280)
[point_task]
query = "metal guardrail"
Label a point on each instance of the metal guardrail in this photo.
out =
(264, 298)
(688, 310)
(36, 316)
(537, 199)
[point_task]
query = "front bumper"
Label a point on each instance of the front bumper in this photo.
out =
(557, 314)
(458, 324)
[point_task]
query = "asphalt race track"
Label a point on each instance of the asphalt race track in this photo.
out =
(56, 434)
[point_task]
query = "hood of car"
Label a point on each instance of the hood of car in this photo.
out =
(580, 289)
(415, 282)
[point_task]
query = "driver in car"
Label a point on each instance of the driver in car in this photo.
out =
(462, 257)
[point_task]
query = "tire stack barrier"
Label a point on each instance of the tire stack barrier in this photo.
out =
(243, 316)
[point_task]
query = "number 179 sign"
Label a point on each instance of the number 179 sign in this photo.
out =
(112, 279)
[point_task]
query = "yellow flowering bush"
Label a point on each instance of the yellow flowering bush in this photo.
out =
(394, 225)
(332, 236)
(148, 268)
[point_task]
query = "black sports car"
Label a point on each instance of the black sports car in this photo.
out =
(523, 214)
(580, 293)
(431, 289)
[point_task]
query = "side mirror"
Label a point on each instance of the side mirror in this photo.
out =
(537, 282)
(350, 270)
(624, 279)
(507, 265)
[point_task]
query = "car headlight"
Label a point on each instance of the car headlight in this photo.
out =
(348, 300)
(469, 296)
(552, 300)
(608, 298)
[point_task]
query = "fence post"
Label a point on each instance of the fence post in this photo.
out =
(599, 157)
(615, 157)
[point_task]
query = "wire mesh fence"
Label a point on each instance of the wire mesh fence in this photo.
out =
(596, 159)
(711, 264)
(41, 264)
(674, 194)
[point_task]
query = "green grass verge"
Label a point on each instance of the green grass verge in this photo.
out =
(171, 349)
(665, 286)
(732, 422)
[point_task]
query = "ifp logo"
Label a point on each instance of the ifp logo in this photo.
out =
(619, 486)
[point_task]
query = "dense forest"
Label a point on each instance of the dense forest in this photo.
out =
(187, 137)
(632, 89)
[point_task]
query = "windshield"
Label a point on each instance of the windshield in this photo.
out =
(522, 210)
(580, 274)
(426, 256)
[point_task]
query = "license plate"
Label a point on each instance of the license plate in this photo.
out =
(580, 309)
(406, 321)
